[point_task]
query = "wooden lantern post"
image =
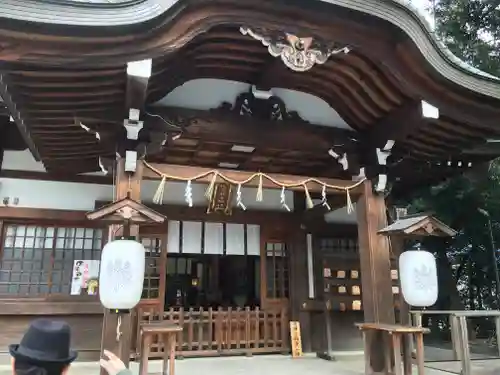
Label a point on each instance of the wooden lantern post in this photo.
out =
(117, 327)
(407, 227)
(413, 227)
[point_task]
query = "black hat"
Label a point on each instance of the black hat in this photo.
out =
(45, 341)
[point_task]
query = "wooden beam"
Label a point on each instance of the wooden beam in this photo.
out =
(397, 125)
(187, 172)
(12, 108)
(269, 73)
(212, 126)
(138, 73)
(12, 139)
(375, 267)
(2, 146)
(41, 214)
(182, 212)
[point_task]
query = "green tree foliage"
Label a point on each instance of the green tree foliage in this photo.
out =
(471, 29)
(461, 202)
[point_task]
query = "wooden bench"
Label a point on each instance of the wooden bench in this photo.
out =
(166, 333)
(394, 336)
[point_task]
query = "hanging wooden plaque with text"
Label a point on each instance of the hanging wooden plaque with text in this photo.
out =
(221, 199)
(296, 339)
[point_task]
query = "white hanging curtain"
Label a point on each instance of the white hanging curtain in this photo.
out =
(173, 236)
(253, 239)
(214, 238)
(235, 239)
(191, 237)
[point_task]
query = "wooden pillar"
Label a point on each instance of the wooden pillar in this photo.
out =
(397, 246)
(375, 266)
(299, 273)
(125, 184)
(299, 287)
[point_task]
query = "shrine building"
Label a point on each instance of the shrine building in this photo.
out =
(273, 136)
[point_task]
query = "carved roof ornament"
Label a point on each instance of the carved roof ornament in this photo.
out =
(298, 54)
(259, 104)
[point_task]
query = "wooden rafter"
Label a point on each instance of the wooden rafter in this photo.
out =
(397, 125)
(213, 126)
(137, 86)
(364, 92)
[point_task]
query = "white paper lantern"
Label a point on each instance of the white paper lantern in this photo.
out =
(122, 274)
(418, 276)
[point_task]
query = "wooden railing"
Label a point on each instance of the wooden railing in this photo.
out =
(219, 331)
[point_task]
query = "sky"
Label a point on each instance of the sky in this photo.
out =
(422, 5)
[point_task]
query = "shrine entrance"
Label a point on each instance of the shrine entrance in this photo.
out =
(225, 284)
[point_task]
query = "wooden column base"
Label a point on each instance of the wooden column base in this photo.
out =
(120, 347)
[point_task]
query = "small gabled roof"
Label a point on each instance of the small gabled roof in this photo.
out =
(418, 225)
(126, 209)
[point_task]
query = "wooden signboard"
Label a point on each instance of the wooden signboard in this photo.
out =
(296, 339)
(221, 199)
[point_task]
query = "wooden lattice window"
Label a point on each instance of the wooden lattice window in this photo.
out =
(152, 273)
(38, 260)
(344, 247)
(277, 270)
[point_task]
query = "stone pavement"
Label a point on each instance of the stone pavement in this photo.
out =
(259, 365)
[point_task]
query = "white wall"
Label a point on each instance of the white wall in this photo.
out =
(341, 216)
(21, 161)
(82, 196)
(208, 93)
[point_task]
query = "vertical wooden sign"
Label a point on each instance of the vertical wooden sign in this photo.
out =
(296, 339)
(221, 199)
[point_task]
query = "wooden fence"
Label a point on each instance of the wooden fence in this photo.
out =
(222, 331)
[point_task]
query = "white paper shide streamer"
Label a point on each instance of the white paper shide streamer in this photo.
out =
(188, 194)
(260, 194)
(283, 200)
(324, 201)
(239, 201)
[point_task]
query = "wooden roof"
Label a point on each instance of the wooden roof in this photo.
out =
(418, 225)
(77, 75)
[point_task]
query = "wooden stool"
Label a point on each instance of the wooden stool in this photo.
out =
(395, 334)
(166, 333)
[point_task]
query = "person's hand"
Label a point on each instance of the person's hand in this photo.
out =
(113, 365)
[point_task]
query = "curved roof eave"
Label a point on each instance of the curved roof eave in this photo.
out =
(85, 13)
(132, 12)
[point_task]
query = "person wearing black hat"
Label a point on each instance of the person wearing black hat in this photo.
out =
(44, 349)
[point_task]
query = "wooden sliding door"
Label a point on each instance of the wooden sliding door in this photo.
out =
(274, 263)
(152, 303)
(153, 291)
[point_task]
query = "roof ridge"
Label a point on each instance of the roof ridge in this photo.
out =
(431, 29)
